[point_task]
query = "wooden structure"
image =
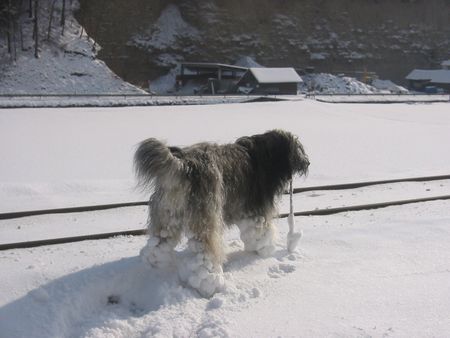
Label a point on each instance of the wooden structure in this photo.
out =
(214, 77)
(269, 81)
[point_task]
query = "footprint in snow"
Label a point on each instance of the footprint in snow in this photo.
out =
(280, 270)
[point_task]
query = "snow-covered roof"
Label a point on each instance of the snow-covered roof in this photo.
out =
(276, 75)
(432, 75)
(445, 63)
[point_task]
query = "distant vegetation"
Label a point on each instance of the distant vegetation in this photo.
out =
(36, 20)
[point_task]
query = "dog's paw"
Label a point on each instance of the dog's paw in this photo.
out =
(199, 272)
(259, 240)
(157, 253)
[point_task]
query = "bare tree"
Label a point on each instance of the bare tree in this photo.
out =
(36, 29)
(10, 14)
(50, 20)
(63, 17)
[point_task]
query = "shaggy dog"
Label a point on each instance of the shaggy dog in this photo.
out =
(201, 189)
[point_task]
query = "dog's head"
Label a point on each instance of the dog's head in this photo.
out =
(279, 152)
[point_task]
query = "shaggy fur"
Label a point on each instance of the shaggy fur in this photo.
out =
(201, 189)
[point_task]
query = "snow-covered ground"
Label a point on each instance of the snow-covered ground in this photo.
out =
(381, 98)
(379, 273)
(115, 100)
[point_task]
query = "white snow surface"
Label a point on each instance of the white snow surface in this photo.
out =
(378, 273)
(323, 83)
(389, 86)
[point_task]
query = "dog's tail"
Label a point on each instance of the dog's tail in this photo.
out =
(154, 160)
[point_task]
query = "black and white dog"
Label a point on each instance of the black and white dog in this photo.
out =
(200, 190)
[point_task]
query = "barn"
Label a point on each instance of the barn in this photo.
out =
(269, 81)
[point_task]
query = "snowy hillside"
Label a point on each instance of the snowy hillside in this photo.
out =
(67, 63)
(389, 38)
(379, 273)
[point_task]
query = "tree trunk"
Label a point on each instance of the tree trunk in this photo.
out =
(8, 38)
(22, 46)
(14, 41)
(36, 30)
(63, 17)
(8, 30)
(52, 9)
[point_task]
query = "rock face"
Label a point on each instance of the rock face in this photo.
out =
(144, 39)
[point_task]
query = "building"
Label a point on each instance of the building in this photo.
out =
(269, 81)
(211, 78)
(445, 64)
(219, 78)
(430, 79)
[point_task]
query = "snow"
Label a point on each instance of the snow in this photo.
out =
(319, 56)
(248, 62)
(58, 72)
(370, 273)
(389, 86)
(275, 75)
(322, 83)
(445, 64)
(381, 98)
(165, 32)
(116, 100)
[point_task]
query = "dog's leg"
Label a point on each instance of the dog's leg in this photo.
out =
(201, 265)
(258, 235)
(200, 270)
(159, 251)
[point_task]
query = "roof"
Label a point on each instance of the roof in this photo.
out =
(276, 75)
(445, 63)
(432, 75)
(211, 65)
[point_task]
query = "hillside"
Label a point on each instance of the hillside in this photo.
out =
(347, 36)
(66, 61)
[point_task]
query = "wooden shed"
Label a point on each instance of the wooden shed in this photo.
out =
(269, 81)
(211, 77)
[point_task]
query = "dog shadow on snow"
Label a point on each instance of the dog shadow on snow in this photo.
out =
(78, 302)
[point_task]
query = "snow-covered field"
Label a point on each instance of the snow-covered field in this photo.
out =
(379, 273)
